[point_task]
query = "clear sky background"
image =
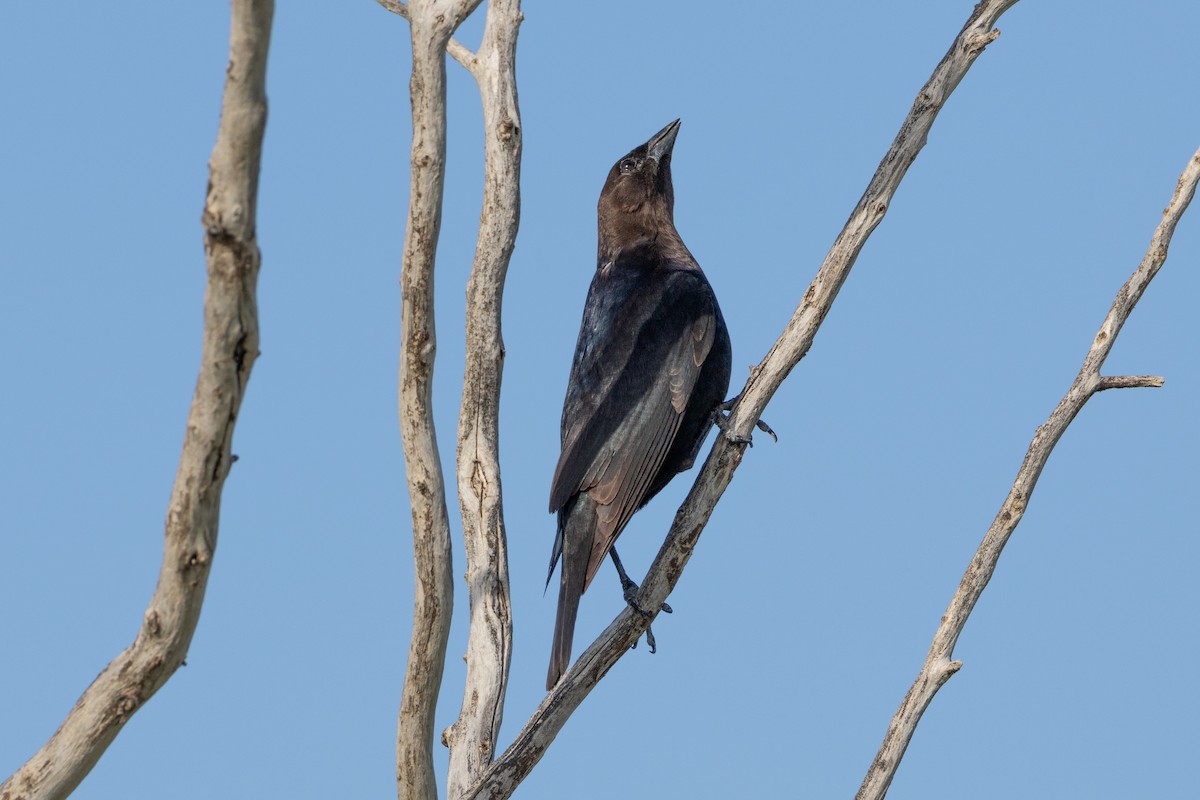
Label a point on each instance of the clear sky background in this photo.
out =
(810, 602)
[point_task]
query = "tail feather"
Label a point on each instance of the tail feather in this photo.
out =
(576, 526)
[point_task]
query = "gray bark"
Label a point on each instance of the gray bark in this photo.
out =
(473, 738)
(431, 24)
(229, 350)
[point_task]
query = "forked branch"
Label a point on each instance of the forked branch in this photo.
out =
(230, 347)
(459, 52)
(939, 667)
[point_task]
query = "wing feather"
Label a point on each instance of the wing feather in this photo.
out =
(628, 394)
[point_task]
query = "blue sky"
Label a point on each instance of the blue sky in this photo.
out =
(812, 597)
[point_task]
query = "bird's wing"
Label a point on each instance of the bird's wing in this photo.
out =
(616, 434)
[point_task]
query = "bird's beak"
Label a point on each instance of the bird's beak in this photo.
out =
(661, 143)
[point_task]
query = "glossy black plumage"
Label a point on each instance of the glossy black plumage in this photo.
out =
(651, 365)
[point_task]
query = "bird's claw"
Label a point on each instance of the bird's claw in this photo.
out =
(649, 641)
(630, 590)
(722, 421)
(765, 428)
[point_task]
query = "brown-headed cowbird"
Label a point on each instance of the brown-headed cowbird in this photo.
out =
(651, 367)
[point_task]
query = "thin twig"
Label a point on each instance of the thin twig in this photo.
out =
(514, 764)
(1129, 382)
(939, 667)
(395, 6)
(229, 350)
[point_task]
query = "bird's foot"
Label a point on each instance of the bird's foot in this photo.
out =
(721, 420)
(649, 641)
(630, 590)
(765, 428)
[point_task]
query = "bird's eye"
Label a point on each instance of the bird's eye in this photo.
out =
(627, 165)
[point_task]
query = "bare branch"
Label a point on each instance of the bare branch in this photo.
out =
(432, 22)
(511, 768)
(229, 350)
(459, 52)
(1129, 382)
(394, 6)
(472, 739)
(938, 667)
(464, 55)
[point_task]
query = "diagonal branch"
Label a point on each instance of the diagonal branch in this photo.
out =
(548, 719)
(938, 667)
(472, 739)
(431, 23)
(229, 350)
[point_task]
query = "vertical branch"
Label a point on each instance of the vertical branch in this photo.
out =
(433, 582)
(938, 667)
(506, 773)
(431, 23)
(230, 347)
(472, 739)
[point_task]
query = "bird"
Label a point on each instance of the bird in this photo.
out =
(650, 371)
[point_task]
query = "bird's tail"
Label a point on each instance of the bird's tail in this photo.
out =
(576, 524)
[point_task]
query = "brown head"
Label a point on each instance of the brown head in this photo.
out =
(637, 204)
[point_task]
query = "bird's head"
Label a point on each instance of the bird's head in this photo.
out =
(638, 195)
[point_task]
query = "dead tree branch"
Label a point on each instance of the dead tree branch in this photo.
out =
(472, 739)
(506, 773)
(431, 23)
(459, 52)
(939, 667)
(229, 350)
